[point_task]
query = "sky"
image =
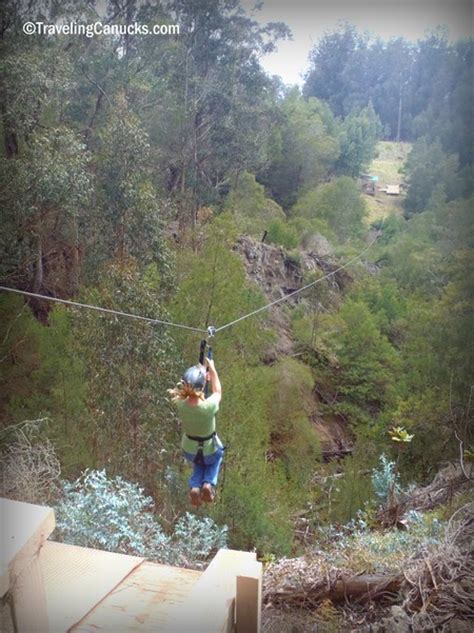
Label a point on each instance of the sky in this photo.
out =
(310, 19)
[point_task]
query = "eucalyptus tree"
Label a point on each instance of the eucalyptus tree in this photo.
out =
(327, 78)
(218, 102)
(306, 150)
(358, 136)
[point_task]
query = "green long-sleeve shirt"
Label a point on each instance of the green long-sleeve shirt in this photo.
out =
(200, 421)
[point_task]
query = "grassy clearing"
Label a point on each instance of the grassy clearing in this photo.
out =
(390, 157)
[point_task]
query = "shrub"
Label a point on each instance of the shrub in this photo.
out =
(336, 204)
(282, 234)
(115, 515)
(384, 478)
(252, 210)
(357, 547)
(196, 538)
(30, 467)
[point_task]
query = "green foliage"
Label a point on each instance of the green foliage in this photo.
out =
(18, 351)
(358, 136)
(385, 302)
(366, 362)
(129, 365)
(34, 81)
(455, 344)
(42, 373)
(428, 167)
(128, 222)
(44, 193)
(312, 232)
(416, 89)
(293, 441)
(253, 211)
(338, 204)
(114, 514)
(271, 452)
(352, 493)
(254, 501)
(283, 234)
(213, 108)
(329, 58)
(309, 149)
(392, 225)
(213, 290)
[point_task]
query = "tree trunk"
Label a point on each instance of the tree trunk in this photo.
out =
(9, 137)
(357, 587)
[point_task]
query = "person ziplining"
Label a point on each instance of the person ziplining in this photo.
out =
(200, 443)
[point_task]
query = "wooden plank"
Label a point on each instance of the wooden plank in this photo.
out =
(25, 528)
(6, 621)
(248, 599)
(78, 578)
(210, 605)
(29, 609)
(143, 601)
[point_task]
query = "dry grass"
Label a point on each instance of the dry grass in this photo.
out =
(324, 619)
(390, 158)
(440, 584)
(30, 468)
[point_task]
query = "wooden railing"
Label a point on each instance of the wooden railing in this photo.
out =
(226, 598)
(24, 529)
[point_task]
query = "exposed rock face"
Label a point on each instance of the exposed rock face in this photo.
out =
(269, 267)
(279, 274)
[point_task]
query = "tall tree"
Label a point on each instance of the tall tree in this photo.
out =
(326, 79)
(307, 150)
(358, 135)
(221, 98)
(428, 167)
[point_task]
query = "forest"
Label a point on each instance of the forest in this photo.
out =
(172, 178)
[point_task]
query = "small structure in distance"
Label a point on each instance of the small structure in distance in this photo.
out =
(392, 190)
(368, 183)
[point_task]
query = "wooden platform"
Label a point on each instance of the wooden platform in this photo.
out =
(142, 602)
(77, 578)
(59, 588)
(24, 529)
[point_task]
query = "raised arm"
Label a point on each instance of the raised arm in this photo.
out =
(216, 387)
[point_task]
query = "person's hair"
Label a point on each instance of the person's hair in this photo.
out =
(183, 391)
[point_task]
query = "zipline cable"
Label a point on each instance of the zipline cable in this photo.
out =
(106, 310)
(295, 292)
(211, 330)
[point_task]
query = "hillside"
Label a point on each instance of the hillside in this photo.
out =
(277, 274)
(164, 198)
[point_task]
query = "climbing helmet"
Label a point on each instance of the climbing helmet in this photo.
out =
(195, 377)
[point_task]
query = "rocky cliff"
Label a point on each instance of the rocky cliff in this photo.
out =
(278, 274)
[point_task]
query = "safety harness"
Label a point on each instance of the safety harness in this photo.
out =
(199, 458)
